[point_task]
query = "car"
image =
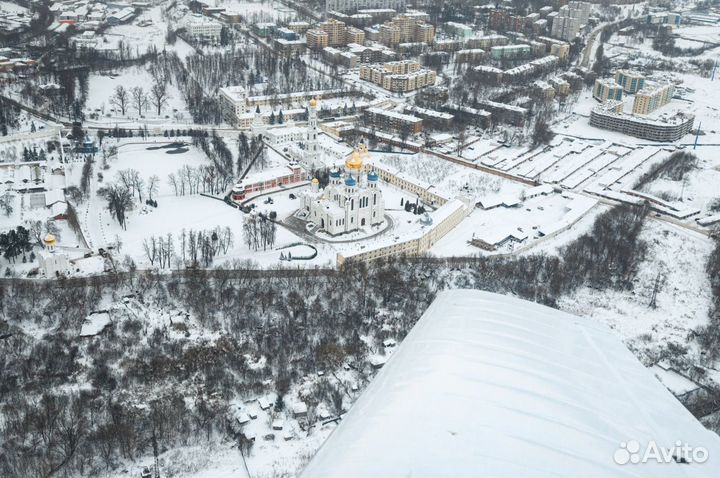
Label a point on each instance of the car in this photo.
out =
(292, 196)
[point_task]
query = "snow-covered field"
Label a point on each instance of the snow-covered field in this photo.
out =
(177, 213)
(101, 90)
(676, 258)
(258, 12)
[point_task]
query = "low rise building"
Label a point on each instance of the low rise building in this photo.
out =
(390, 120)
(486, 42)
(351, 6)
(431, 118)
(470, 56)
(510, 52)
(233, 100)
(666, 128)
(202, 29)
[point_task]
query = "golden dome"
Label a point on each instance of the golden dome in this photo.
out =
(354, 161)
(313, 103)
(315, 181)
(49, 240)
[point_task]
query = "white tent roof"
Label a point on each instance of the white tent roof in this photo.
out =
(489, 385)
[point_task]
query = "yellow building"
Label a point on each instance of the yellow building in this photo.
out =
(651, 98)
(560, 50)
(406, 28)
(443, 220)
(398, 76)
(354, 35)
(333, 33)
(317, 39)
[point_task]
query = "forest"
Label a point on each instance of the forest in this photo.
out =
(78, 405)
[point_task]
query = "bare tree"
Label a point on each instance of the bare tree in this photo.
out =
(159, 96)
(120, 98)
(153, 185)
(140, 99)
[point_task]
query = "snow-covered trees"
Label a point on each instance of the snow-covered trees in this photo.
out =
(196, 248)
(259, 231)
(14, 243)
(213, 178)
(6, 203)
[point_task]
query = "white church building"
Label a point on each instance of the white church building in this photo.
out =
(351, 201)
(309, 155)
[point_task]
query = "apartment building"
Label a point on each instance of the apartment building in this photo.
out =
(389, 120)
(665, 129)
(510, 52)
(651, 98)
(562, 87)
(352, 6)
(606, 89)
(406, 28)
(570, 18)
(317, 39)
(631, 81)
(398, 76)
(486, 41)
(333, 33)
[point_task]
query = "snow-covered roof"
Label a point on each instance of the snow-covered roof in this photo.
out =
(54, 196)
(490, 385)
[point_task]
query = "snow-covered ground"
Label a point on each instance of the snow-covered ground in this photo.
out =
(102, 87)
(450, 178)
(676, 258)
(177, 213)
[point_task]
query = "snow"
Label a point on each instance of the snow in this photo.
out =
(8, 7)
(489, 385)
(537, 219)
(674, 382)
(94, 324)
(102, 86)
(683, 301)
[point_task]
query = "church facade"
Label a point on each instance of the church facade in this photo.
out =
(351, 201)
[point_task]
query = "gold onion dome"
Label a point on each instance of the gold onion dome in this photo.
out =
(49, 239)
(313, 103)
(354, 161)
(315, 181)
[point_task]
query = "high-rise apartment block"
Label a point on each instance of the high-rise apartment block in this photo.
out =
(651, 98)
(570, 18)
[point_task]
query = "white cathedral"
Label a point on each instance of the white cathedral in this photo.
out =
(351, 201)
